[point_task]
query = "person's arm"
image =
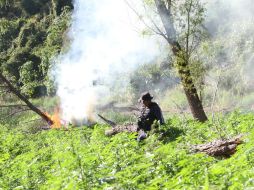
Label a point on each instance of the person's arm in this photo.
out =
(143, 120)
(145, 114)
(158, 114)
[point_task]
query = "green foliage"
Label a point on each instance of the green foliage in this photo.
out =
(8, 29)
(31, 34)
(84, 158)
(5, 3)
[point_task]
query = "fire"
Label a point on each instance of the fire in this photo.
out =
(60, 123)
(57, 123)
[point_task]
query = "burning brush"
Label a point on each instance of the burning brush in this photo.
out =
(56, 122)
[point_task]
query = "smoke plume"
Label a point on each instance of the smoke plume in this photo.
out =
(231, 46)
(106, 45)
(230, 22)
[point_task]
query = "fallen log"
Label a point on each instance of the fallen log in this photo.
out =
(118, 128)
(219, 148)
(25, 100)
(130, 128)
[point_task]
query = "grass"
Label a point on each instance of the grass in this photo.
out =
(84, 158)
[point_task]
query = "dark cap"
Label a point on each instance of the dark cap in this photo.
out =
(146, 96)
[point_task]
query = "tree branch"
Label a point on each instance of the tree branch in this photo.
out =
(11, 106)
(188, 32)
(156, 30)
(166, 18)
(18, 111)
(24, 99)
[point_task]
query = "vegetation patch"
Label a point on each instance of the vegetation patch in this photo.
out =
(84, 158)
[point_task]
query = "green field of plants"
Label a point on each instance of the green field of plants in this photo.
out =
(84, 158)
(65, 62)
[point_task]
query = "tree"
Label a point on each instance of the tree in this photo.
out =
(32, 33)
(189, 20)
(182, 57)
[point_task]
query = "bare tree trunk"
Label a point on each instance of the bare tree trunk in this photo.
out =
(24, 99)
(182, 63)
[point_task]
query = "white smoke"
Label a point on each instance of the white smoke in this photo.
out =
(230, 22)
(230, 51)
(228, 14)
(107, 44)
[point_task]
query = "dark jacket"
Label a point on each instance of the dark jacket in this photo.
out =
(148, 115)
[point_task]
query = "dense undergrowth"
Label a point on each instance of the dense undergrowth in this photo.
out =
(84, 158)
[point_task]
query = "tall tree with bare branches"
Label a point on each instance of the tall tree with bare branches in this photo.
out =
(180, 23)
(182, 54)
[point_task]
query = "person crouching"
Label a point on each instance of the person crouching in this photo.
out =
(149, 113)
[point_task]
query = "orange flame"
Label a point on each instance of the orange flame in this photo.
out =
(56, 119)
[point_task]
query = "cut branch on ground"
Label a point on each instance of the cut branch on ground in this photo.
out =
(220, 148)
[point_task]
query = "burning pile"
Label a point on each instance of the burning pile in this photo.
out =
(56, 120)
